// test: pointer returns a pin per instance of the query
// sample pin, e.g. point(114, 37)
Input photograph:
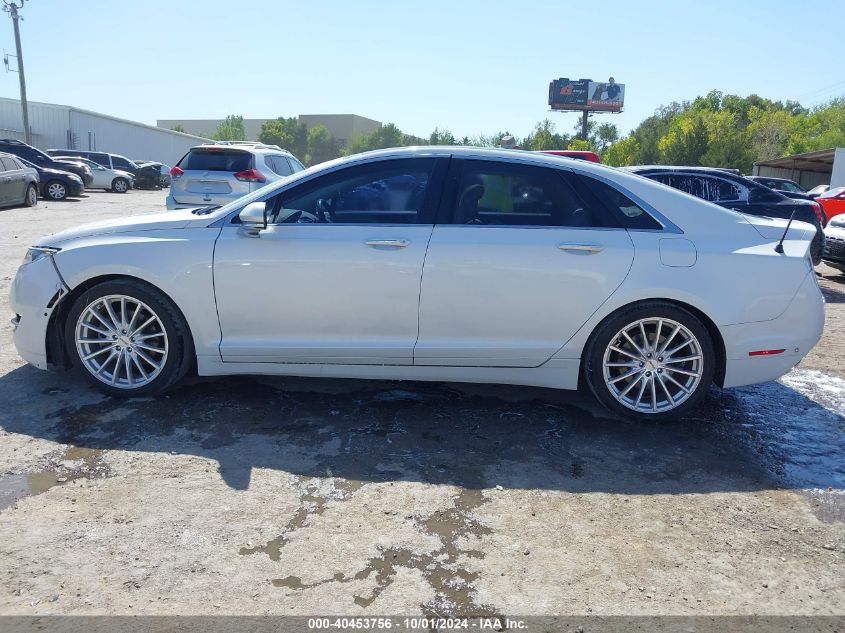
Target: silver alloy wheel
point(121, 341)
point(653, 365)
point(32, 196)
point(57, 191)
point(120, 186)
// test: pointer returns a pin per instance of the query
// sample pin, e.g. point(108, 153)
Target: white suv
point(217, 173)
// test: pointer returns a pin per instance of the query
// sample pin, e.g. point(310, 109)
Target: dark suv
point(40, 159)
point(110, 161)
point(740, 194)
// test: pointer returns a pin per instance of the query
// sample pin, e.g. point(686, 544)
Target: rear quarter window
point(204, 160)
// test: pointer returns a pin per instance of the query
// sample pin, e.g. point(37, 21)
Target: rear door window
point(506, 194)
point(7, 164)
point(215, 160)
point(279, 165)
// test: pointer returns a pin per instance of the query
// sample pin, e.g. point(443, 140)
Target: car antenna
point(779, 247)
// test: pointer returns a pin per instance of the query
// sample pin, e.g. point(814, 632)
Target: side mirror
point(253, 217)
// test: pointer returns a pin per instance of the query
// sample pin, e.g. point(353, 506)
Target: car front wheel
point(120, 185)
point(56, 190)
point(127, 338)
point(651, 362)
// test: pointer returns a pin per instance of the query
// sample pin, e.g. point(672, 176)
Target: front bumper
point(796, 331)
point(34, 295)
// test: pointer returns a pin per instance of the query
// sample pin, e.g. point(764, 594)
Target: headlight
point(37, 252)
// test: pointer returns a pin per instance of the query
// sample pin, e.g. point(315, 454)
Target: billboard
point(586, 94)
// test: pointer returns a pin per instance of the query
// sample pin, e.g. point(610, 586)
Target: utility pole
point(584, 127)
point(11, 8)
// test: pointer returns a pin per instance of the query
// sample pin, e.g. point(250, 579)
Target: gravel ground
point(301, 496)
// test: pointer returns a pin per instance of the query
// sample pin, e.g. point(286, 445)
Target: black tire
point(606, 333)
point(120, 185)
point(180, 352)
point(31, 197)
point(56, 190)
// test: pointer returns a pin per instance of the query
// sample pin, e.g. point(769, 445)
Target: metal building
point(822, 167)
point(55, 126)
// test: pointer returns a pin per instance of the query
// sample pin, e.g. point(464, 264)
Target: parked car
point(164, 171)
point(740, 194)
point(833, 202)
point(818, 190)
point(574, 153)
point(112, 161)
point(39, 158)
point(103, 177)
point(18, 183)
point(56, 184)
point(214, 174)
point(148, 176)
point(834, 243)
point(787, 187)
point(432, 263)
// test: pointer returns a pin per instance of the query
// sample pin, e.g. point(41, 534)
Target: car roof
point(243, 147)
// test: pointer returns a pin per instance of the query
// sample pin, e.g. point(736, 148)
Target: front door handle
point(388, 243)
point(581, 248)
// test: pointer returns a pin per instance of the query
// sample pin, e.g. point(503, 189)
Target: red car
point(573, 153)
point(833, 202)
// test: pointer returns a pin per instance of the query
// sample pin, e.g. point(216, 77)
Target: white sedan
point(433, 263)
point(102, 177)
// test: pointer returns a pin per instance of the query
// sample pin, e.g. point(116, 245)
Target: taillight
point(250, 175)
point(817, 208)
point(175, 172)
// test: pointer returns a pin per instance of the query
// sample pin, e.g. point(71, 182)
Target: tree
point(441, 137)
point(606, 135)
point(288, 133)
point(622, 153)
point(684, 142)
point(178, 128)
point(231, 129)
point(387, 135)
point(579, 144)
point(543, 136)
point(321, 145)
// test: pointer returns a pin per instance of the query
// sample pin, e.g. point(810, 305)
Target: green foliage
point(231, 129)
point(543, 136)
point(387, 135)
point(288, 133)
point(441, 137)
point(321, 146)
point(178, 128)
point(580, 145)
point(730, 131)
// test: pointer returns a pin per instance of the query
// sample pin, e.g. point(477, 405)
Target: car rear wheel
point(31, 198)
point(651, 362)
point(128, 339)
point(56, 190)
point(120, 185)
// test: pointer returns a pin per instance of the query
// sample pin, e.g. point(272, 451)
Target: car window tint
point(631, 215)
point(122, 163)
point(7, 164)
point(279, 165)
point(296, 165)
point(706, 187)
point(103, 159)
point(505, 194)
point(216, 160)
point(17, 164)
point(391, 192)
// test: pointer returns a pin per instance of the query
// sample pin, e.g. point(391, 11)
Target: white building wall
point(64, 127)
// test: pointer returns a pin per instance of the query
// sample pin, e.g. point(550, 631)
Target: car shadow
point(473, 436)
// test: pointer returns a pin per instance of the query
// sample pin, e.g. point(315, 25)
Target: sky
point(469, 66)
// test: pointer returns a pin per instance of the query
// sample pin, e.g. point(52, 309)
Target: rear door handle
point(581, 248)
point(388, 243)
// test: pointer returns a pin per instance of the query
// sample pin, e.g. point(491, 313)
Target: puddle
point(68, 465)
